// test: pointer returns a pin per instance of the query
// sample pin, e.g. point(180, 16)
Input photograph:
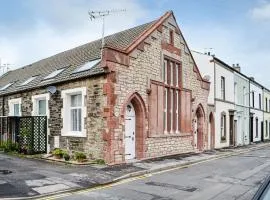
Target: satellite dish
point(51, 89)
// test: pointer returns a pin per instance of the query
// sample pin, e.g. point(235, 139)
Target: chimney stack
point(252, 78)
point(237, 67)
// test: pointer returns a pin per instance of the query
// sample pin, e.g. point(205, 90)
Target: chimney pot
point(237, 67)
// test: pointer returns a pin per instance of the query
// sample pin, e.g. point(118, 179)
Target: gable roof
point(70, 60)
point(124, 41)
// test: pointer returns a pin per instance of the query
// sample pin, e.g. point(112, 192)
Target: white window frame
point(222, 87)
point(36, 98)
point(65, 112)
point(11, 103)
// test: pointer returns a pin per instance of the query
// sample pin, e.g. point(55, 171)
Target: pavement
point(23, 178)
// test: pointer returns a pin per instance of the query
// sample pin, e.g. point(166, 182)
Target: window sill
point(170, 135)
point(223, 141)
point(73, 134)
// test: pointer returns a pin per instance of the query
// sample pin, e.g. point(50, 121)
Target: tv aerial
point(102, 14)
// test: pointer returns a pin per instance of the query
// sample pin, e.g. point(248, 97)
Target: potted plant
point(80, 156)
point(58, 153)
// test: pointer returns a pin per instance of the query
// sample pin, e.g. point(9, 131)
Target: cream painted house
point(256, 111)
point(221, 106)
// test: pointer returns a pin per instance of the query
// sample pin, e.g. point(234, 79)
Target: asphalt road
point(236, 177)
point(31, 177)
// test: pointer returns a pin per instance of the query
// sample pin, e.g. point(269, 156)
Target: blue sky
point(237, 30)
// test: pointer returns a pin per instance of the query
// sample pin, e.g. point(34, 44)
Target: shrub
point(100, 161)
point(80, 156)
point(66, 156)
point(8, 146)
point(58, 153)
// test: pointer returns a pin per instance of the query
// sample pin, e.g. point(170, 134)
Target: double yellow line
point(110, 185)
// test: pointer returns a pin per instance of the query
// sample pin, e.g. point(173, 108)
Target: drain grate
point(178, 187)
point(5, 171)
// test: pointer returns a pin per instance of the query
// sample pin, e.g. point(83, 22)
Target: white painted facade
point(241, 117)
point(224, 105)
point(256, 111)
point(223, 102)
point(207, 69)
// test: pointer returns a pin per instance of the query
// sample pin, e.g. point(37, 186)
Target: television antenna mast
point(102, 14)
point(5, 67)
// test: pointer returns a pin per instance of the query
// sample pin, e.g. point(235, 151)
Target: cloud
point(233, 46)
point(262, 12)
point(60, 25)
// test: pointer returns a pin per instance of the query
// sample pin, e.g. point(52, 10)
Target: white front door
point(129, 132)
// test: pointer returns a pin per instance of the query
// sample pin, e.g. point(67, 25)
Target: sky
point(237, 30)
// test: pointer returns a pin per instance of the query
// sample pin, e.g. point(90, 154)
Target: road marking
point(110, 185)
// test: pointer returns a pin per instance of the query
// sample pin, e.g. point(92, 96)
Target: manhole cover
point(5, 171)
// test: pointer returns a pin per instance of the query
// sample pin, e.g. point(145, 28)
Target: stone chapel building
point(144, 98)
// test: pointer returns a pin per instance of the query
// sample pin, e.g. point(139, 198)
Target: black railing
point(29, 132)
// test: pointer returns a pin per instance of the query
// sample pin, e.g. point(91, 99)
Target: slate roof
point(71, 60)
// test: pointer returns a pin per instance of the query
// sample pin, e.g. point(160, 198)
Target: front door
point(251, 129)
point(235, 131)
point(262, 134)
point(129, 132)
point(231, 131)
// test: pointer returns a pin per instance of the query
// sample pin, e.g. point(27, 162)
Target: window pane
point(76, 119)
point(172, 72)
point(76, 100)
point(165, 109)
point(176, 74)
point(16, 108)
point(42, 107)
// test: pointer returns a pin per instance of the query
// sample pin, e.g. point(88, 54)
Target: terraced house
point(266, 114)
point(256, 111)
point(228, 101)
point(144, 98)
